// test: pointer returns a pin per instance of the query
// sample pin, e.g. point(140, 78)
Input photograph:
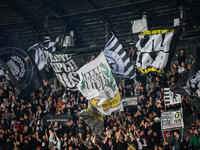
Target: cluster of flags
point(94, 80)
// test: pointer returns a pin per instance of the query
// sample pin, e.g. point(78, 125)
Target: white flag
point(98, 85)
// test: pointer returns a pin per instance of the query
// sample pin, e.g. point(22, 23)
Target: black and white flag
point(190, 82)
point(156, 49)
point(19, 65)
point(50, 45)
point(171, 97)
point(93, 118)
point(39, 56)
point(65, 69)
point(117, 59)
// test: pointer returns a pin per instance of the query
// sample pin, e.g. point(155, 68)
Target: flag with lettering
point(65, 68)
point(19, 65)
point(98, 85)
point(117, 59)
point(92, 117)
point(156, 49)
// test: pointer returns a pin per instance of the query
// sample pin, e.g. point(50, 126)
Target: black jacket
point(8, 146)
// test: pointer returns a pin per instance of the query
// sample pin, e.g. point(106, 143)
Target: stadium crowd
point(23, 127)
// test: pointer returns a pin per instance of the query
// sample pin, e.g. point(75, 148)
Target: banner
point(40, 58)
point(171, 97)
point(171, 119)
point(156, 49)
point(92, 117)
point(190, 82)
point(117, 59)
point(65, 69)
point(62, 119)
point(19, 65)
point(98, 85)
point(130, 101)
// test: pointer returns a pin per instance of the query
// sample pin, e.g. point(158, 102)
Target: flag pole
point(163, 135)
point(155, 102)
point(183, 120)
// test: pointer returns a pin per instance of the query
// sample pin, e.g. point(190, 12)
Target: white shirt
point(139, 144)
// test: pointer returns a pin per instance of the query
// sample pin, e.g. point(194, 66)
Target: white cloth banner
point(171, 119)
point(171, 98)
point(98, 85)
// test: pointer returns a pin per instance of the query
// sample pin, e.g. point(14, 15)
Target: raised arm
point(39, 140)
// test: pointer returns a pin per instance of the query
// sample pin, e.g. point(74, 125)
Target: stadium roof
point(93, 21)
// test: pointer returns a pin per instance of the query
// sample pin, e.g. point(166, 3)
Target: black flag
point(156, 49)
point(93, 118)
point(190, 82)
point(64, 67)
point(19, 65)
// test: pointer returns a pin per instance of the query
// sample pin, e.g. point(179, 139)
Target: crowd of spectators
point(23, 127)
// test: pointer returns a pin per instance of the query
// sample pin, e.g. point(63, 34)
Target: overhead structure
point(92, 22)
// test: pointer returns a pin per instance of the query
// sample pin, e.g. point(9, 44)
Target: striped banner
point(171, 97)
point(117, 59)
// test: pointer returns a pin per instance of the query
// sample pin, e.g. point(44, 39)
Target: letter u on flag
point(19, 65)
point(98, 85)
point(117, 59)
